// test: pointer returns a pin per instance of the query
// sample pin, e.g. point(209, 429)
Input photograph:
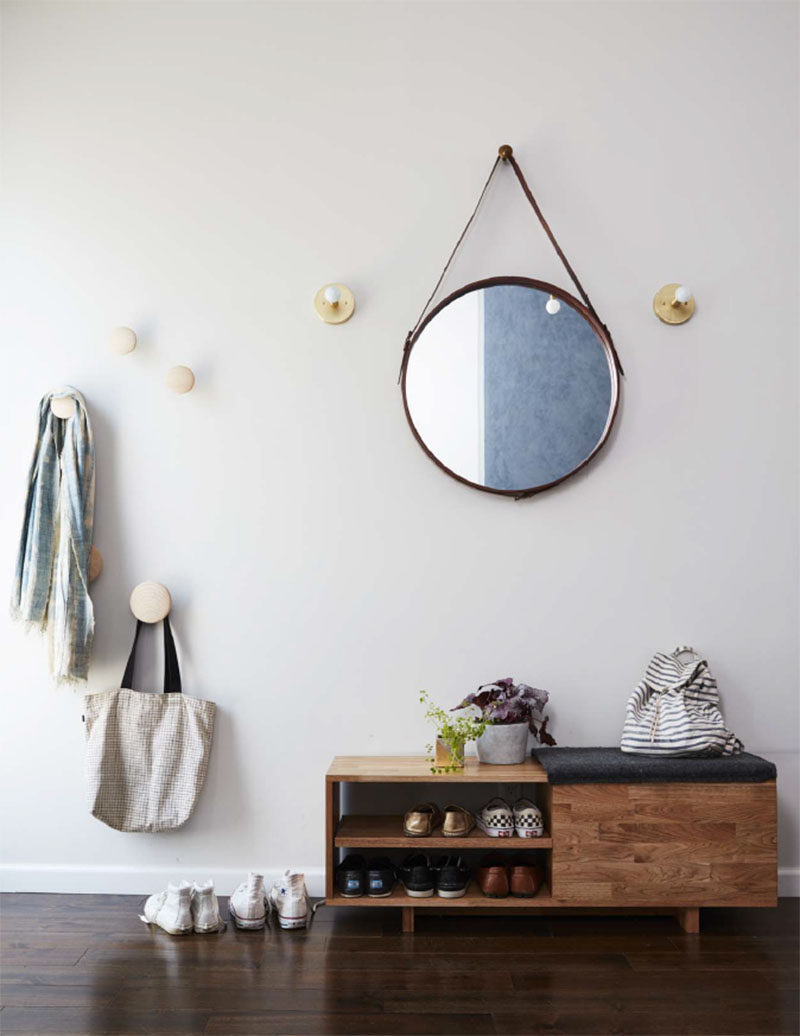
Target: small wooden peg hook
point(95, 563)
point(505, 151)
point(151, 602)
point(62, 406)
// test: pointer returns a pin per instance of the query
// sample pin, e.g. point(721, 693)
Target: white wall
point(196, 171)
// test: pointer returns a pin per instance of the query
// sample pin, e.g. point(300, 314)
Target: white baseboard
point(789, 881)
point(141, 881)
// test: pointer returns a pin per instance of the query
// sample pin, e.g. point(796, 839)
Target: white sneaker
point(528, 822)
point(289, 898)
point(171, 909)
point(205, 909)
point(249, 907)
point(496, 819)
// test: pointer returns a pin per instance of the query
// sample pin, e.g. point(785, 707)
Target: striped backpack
point(674, 711)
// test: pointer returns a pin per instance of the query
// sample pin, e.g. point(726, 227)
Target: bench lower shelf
point(473, 898)
point(542, 902)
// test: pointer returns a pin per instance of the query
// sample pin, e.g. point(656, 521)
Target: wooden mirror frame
point(562, 296)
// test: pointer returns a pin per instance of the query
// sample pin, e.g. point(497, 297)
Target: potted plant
point(508, 711)
point(452, 734)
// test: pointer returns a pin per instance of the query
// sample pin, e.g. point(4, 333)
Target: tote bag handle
point(172, 674)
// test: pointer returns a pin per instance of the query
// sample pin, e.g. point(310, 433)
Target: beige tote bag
point(147, 754)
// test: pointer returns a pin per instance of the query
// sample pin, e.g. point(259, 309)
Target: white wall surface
point(197, 171)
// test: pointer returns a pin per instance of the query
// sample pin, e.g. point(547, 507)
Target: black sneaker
point(416, 876)
point(351, 878)
point(380, 877)
point(452, 877)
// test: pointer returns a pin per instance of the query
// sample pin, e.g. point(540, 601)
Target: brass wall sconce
point(334, 303)
point(674, 304)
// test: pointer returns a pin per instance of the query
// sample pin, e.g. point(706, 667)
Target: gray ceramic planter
point(503, 744)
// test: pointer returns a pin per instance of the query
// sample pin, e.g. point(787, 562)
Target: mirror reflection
point(508, 388)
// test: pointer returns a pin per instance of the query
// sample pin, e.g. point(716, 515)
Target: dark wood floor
point(86, 964)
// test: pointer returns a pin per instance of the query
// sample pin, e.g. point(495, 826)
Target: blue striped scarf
point(51, 588)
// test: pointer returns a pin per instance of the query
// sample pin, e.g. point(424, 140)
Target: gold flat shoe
point(422, 820)
point(458, 822)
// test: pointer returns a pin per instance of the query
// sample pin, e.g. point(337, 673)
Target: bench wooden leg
point(689, 919)
point(408, 920)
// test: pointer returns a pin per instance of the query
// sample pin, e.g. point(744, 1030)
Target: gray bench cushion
point(612, 766)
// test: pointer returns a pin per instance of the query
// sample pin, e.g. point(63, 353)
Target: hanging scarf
point(51, 588)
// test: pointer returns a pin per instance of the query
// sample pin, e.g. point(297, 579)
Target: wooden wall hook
point(62, 406)
point(150, 602)
point(95, 563)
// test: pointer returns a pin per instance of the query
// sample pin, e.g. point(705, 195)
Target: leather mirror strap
point(552, 238)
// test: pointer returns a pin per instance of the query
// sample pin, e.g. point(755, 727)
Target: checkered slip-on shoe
point(496, 819)
point(528, 822)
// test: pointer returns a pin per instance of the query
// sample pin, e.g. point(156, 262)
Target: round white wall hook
point(151, 602)
point(552, 305)
point(334, 303)
point(63, 406)
point(123, 340)
point(180, 379)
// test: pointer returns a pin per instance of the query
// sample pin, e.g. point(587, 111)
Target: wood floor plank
point(299, 1024)
point(79, 1021)
point(87, 965)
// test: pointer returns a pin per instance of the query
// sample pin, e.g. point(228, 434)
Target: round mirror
point(510, 385)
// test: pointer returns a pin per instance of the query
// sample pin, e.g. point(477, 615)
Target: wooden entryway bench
point(644, 842)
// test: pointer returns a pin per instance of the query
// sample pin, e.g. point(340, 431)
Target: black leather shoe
point(452, 877)
point(380, 877)
point(416, 876)
point(351, 878)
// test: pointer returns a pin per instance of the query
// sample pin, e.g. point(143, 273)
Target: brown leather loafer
point(525, 880)
point(458, 822)
point(493, 881)
point(422, 820)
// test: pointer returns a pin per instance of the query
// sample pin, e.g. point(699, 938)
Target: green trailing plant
point(454, 731)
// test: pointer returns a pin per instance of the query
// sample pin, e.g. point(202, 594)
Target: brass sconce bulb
point(334, 303)
point(674, 304)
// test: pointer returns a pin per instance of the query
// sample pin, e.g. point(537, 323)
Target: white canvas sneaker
point(289, 899)
point(249, 907)
point(171, 909)
point(205, 909)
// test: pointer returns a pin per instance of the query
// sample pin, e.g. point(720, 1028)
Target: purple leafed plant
point(506, 702)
